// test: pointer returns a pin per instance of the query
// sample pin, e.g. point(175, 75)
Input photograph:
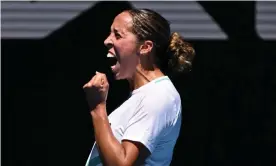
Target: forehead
point(122, 22)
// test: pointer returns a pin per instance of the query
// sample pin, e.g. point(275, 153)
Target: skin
point(135, 63)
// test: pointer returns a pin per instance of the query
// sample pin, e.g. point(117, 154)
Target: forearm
point(112, 152)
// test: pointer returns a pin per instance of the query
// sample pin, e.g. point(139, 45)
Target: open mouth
point(113, 62)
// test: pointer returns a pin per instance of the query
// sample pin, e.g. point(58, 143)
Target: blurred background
point(51, 49)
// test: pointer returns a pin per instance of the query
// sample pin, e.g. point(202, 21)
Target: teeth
point(110, 55)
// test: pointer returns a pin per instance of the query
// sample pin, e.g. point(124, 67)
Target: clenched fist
point(96, 90)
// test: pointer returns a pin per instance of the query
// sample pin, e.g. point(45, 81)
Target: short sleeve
point(148, 123)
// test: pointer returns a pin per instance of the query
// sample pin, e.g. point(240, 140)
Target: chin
point(118, 76)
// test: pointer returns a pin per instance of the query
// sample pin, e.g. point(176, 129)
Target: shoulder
point(163, 93)
point(161, 98)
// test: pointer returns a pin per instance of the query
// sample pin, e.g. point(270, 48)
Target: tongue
point(116, 67)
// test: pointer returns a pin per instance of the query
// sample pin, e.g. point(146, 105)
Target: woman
point(145, 128)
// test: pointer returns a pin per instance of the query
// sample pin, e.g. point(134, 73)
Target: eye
point(117, 35)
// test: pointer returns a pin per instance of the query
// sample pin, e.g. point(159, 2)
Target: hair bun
point(180, 54)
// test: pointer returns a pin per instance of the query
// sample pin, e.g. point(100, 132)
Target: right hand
point(96, 90)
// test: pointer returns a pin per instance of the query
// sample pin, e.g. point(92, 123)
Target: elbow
point(123, 164)
point(123, 161)
point(119, 160)
point(120, 163)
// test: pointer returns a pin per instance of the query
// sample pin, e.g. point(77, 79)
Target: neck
point(142, 77)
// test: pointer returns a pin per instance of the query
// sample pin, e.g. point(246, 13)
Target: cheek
point(127, 52)
point(128, 49)
point(129, 61)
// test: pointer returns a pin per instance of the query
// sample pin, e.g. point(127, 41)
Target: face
point(122, 44)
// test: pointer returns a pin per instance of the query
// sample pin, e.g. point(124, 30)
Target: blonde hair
point(181, 54)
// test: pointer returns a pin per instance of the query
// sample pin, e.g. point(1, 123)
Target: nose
point(108, 42)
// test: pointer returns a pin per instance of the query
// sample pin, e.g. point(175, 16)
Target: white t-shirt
point(151, 116)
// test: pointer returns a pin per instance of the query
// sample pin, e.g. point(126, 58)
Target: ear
point(146, 47)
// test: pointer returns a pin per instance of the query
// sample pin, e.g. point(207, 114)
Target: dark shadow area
point(46, 114)
point(228, 99)
point(24, 111)
point(75, 52)
point(237, 19)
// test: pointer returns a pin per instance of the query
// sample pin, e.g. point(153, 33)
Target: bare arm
point(113, 152)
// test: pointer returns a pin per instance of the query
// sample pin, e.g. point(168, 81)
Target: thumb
point(97, 72)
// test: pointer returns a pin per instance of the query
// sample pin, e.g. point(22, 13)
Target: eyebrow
point(117, 31)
